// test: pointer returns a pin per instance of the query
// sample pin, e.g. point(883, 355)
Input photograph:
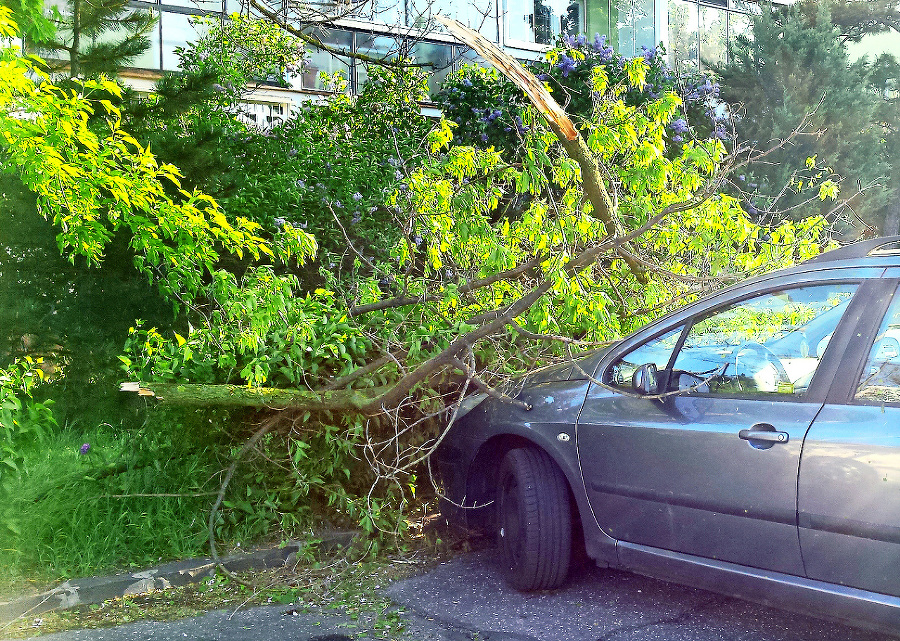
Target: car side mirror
point(645, 379)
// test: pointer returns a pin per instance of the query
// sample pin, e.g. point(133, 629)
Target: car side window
point(880, 380)
point(772, 343)
point(656, 351)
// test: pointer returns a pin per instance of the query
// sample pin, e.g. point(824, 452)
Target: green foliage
point(488, 109)
point(241, 52)
point(24, 422)
point(99, 498)
point(29, 14)
point(71, 315)
point(325, 169)
point(262, 332)
point(92, 185)
point(845, 103)
point(88, 39)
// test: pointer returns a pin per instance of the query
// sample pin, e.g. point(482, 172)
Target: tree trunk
point(268, 397)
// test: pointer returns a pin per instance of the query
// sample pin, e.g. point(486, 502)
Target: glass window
point(684, 30)
point(207, 5)
point(739, 24)
point(150, 58)
point(321, 62)
point(771, 343)
point(480, 15)
point(540, 21)
point(437, 54)
point(634, 26)
point(383, 11)
point(657, 351)
point(177, 31)
point(880, 379)
point(470, 57)
point(713, 36)
point(378, 47)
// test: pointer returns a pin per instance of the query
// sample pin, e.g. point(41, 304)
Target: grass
point(130, 501)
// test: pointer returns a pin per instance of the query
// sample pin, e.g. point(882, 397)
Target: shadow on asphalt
point(467, 595)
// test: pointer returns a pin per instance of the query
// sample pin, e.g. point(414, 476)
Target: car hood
point(581, 368)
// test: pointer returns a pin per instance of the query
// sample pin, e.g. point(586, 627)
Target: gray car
point(748, 444)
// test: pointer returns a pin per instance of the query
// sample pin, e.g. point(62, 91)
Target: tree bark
point(269, 397)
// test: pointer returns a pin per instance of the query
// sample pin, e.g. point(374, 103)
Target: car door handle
point(766, 436)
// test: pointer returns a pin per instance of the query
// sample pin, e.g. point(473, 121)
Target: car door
point(708, 465)
point(849, 485)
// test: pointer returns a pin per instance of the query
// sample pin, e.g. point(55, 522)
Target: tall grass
point(126, 502)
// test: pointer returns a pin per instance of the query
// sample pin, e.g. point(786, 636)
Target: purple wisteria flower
point(600, 46)
point(566, 65)
point(85, 448)
point(520, 127)
point(679, 126)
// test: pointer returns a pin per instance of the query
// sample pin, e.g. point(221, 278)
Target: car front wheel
point(534, 526)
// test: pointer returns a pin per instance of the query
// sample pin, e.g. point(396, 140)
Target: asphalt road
point(464, 600)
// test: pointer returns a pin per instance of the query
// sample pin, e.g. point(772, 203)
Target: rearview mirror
point(645, 379)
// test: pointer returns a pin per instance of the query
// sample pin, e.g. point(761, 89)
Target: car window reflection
point(770, 344)
point(880, 380)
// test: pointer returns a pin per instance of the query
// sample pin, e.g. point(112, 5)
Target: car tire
point(534, 520)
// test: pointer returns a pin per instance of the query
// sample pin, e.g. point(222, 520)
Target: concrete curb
point(98, 589)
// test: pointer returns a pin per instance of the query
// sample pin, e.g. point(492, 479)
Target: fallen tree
point(602, 224)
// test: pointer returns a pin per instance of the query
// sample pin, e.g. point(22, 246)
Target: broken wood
point(600, 196)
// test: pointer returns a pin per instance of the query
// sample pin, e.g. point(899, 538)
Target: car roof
point(886, 250)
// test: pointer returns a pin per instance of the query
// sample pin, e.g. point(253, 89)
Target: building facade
point(694, 33)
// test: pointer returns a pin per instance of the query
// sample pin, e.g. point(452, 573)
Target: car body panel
point(849, 498)
point(674, 474)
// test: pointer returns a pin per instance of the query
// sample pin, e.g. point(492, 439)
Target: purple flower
point(566, 65)
point(356, 218)
point(648, 54)
point(279, 222)
point(357, 196)
point(520, 127)
point(600, 46)
point(467, 82)
point(679, 126)
point(484, 138)
point(543, 76)
point(84, 448)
